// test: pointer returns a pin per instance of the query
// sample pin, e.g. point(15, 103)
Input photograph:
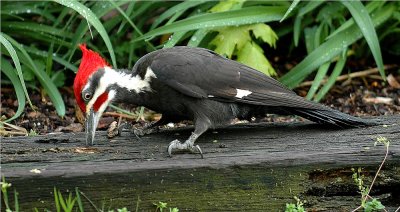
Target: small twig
point(120, 115)
point(376, 175)
point(398, 209)
point(90, 201)
point(352, 75)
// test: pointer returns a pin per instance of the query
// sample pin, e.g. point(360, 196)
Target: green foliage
point(238, 41)
point(40, 38)
point(331, 34)
point(161, 206)
point(4, 190)
point(298, 207)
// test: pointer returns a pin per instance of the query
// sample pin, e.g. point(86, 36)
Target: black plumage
point(200, 85)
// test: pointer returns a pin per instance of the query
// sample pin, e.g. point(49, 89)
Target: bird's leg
point(200, 127)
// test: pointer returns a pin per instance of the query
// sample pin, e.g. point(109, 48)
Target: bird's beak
point(92, 120)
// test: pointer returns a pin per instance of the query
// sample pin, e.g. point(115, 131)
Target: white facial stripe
point(122, 80)
point(110, 97)
point(242, 93)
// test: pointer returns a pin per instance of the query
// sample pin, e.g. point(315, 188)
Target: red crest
point(91, 62)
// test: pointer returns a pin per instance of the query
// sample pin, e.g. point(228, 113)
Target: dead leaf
point(113, 131)
point(378, 100)
point(393, 82)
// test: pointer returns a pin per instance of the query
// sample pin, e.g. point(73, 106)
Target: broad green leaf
point(5, 40)
point(93, 20)
point(8, 70)
point(248, 15)
point(252, 55)
point(264, 32)
point(323, 69)
point(363, 20)
point(230, 38)
point(331, 48)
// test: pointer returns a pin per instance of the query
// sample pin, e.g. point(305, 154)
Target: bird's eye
point(87, 96)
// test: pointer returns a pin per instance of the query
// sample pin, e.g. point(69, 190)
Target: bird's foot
point(176, 145)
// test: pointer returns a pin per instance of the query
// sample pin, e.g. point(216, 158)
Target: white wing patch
point(242, 93)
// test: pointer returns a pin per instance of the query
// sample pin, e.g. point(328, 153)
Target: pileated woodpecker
point(185, 83)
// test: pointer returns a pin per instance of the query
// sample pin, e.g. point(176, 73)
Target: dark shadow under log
point(249, 167)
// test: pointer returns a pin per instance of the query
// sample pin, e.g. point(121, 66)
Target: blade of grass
point(291, 8)
point(5, 40)
point(321, 73)
point(310, 6)
point(49, 60)
point(337, 70)
point(56, 200)
point(371, 6)
point(45, 80)
point(247, 15)
point(16, 203)
point(129, 11)
point(173, 10)
point(174, 39)
point(56, 58)
point(331, 48)
point(79, 200)
point(131, 23)
point(8, 70)
point(197, 37)
point(363, 20)
point(94, 21)
point(34, 27)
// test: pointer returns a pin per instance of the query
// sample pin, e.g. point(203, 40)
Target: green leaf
point(248, 15)
point(5, 40)
point(291, 8)
point(181, 7)
point(332, 79)
point(93, 20)
point(58, 78)
point(363, 20)
point(223, 6)
point(252, 55)
point(264, 32)
point(230, 38)
point(331, 48)
point(45, 80)
point(197, 37)
point(8, 70)
point(323, 69)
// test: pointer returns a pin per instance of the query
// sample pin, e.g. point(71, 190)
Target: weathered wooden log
point(248, 167)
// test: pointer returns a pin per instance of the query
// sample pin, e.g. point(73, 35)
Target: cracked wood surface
point(251, 167)
point(275, 144)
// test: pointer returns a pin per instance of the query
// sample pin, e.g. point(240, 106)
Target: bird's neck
point(130, 87)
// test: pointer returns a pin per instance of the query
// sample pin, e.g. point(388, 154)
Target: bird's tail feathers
point(332, 117)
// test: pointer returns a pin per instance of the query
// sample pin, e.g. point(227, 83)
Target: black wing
point(201, 73)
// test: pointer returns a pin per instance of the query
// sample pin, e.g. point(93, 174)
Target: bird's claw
point(177, 145)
